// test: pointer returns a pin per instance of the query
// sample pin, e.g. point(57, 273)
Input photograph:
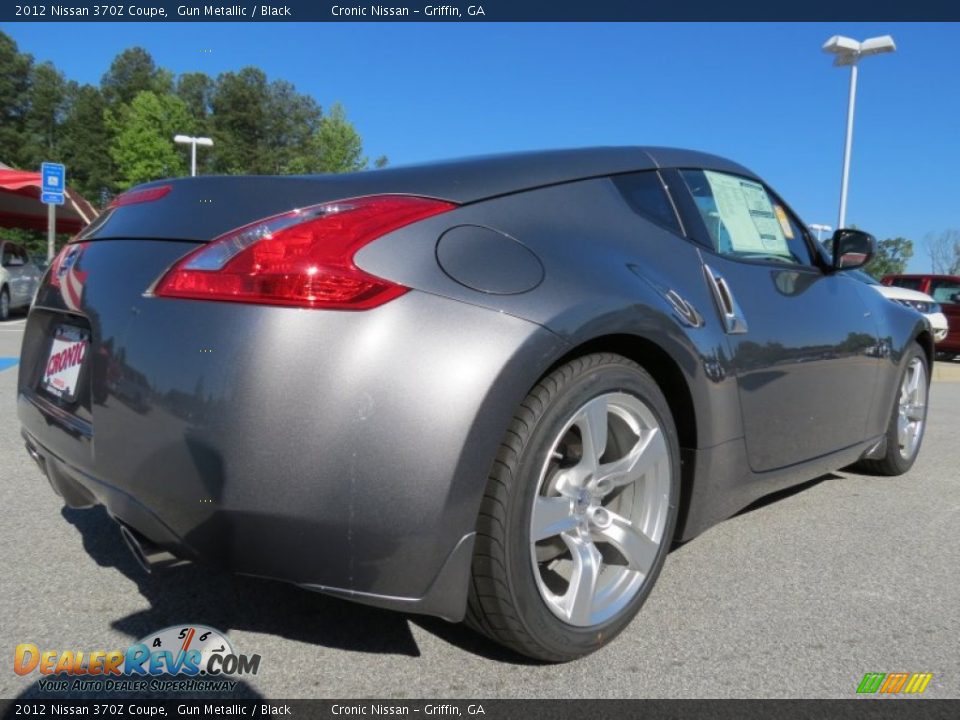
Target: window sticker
point(748, 215)
point(784, 221)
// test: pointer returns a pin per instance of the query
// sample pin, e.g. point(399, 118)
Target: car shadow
point(780, 495)
point(203, 595)
point(765, 501)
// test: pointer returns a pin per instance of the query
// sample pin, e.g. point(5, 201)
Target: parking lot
point(797, 597)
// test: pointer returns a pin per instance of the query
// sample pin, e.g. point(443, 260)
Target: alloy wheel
point(912, 411)
point(601, 508)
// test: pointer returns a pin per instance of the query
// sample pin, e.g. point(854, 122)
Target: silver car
point(19, 278)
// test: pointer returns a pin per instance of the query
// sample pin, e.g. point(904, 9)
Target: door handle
point(730, 313)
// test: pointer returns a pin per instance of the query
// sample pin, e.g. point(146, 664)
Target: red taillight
point(133, 197)
point(302, 258)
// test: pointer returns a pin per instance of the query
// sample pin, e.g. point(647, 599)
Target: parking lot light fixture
point(193, 142)
point(848, 52)
point(819, 230)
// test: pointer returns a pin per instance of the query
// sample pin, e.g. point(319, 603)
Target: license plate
point(62, 373)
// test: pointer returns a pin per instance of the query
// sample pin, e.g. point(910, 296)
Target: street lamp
point(193, 142)
point(819, 230)
point(849, 52)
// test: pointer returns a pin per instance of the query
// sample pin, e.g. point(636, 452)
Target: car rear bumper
point(345, 452)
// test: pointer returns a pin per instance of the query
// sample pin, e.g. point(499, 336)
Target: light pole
point(819, 230)
point(193, 142)
point(849, 52)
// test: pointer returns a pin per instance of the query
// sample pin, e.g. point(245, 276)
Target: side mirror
point(852, 249)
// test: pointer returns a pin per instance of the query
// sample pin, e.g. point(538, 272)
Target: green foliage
point(85, 143)
point(892, 257)
point(121, 133)
point(46, 109)
point(239, 123)
point(338, 145)
point(131, 72)
point(15, 70)
point(142, 131)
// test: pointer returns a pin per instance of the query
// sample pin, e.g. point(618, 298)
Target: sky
point(765, 95)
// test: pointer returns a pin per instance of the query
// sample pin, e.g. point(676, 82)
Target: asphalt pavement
point(797, 597)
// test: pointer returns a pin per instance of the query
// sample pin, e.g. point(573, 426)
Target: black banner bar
point(853, 709)
point(479, 11)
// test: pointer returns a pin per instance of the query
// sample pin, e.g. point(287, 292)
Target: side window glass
point(647, 196)
point(744, 220)
point(945, 292)
point(7, 253)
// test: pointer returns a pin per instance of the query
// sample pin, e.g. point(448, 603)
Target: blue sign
point(54, 177)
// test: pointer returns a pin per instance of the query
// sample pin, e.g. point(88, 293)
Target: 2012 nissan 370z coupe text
point(494, 389)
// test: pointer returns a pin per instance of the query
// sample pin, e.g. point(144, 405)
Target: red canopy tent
point(20, 205)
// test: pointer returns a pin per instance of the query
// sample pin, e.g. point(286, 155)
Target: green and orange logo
point(894, 683)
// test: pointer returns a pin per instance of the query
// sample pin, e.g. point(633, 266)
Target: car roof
point(239, 199)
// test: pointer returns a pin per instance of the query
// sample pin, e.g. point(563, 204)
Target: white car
point(19, 278)
point(911, 298)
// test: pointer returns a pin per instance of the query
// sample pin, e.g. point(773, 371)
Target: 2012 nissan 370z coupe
point(494, 389)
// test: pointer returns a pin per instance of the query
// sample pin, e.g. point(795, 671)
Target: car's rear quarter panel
point(332, 448)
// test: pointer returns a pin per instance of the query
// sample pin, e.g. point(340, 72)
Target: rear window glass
point(945, 292)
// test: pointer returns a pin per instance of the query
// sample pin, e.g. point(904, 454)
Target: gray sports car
point(494, 389)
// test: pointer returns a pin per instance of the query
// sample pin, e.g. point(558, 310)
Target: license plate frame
point(65, 362)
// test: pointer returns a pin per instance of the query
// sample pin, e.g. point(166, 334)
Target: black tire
point(504, 602)
point(894, 462)
point(4, 304)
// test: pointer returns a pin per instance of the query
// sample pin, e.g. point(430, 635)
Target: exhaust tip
point(135, 549)
point(148, 554)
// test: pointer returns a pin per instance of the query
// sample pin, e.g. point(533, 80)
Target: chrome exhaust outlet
point(149, 555)
point(32, 452)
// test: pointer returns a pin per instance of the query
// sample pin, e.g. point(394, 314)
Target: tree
point(14, 85)
point(944, 251)
point(196, 91)
point(120, 133)
point(293, 120)
point(338, 145)
point(891, 257)
point(143, 147)
point(240, 121)
point(47, 107)
point(85, 145)
point(131, 72)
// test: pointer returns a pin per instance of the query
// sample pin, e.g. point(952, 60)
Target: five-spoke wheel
point(579, 510)
point(901, 444)
point(601, 509)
